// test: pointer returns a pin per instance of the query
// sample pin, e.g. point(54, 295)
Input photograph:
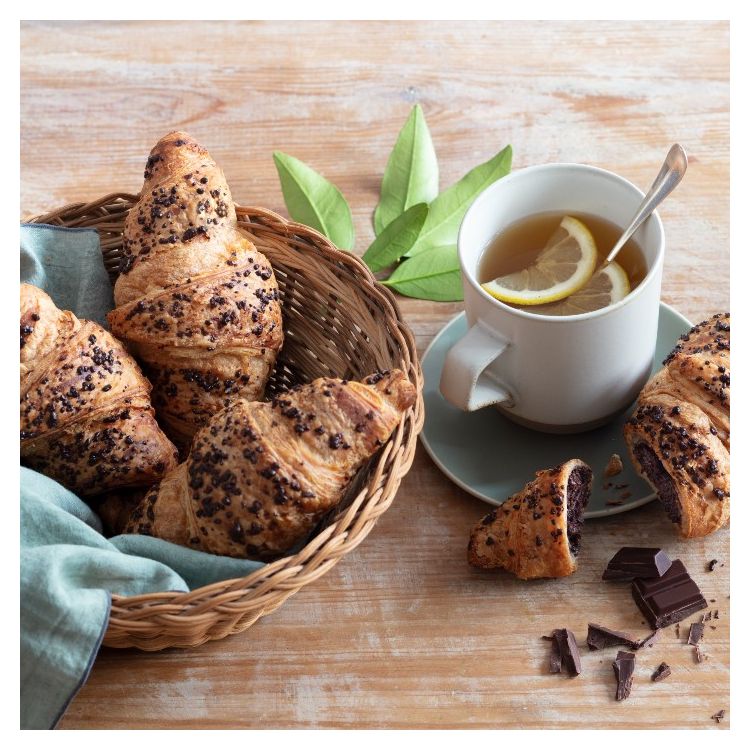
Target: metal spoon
point(672, 171)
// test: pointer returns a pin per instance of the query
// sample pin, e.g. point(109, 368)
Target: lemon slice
point(607, 286)
point(561, 269)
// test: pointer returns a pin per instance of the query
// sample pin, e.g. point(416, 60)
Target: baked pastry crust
point(536, 532)
point(679, 436)
point(197, 303)
point(86, 417)
point(260, 476)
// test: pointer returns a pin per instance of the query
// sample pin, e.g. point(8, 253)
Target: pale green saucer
point(492, 458)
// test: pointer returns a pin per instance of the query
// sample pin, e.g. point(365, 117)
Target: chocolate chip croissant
point(536, 533)
point(260, 476)
point(86, 418)
point(678, 436)
point(197, 303)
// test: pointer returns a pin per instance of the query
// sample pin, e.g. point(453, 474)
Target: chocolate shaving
point(718, 716)
point(600, 637)
point(555, 658)
point(662, 672)
point(564, 653)
point(699, 655)
point(696, 633)
point(649, 640)
point(624, 667)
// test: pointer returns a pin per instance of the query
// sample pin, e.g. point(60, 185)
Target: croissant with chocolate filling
point(536, 533)
point(197, 303)
point(86, 418)
point(259, 476)
point(678, 436)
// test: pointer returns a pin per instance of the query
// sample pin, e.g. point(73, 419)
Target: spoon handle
point(670, 174)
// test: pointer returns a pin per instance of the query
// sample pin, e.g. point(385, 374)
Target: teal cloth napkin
point(68, 569)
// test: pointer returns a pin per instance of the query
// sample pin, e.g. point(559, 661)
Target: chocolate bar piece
point(564, 653)
point(637, 562)
point(695, 634)
point(624, 666)
point(662, 672)
point(668, 599)
point(600, 637)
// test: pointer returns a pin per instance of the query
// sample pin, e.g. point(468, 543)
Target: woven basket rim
point(133, 614)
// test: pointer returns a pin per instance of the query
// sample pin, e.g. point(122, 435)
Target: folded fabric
point(67, 264)
point(68, 569)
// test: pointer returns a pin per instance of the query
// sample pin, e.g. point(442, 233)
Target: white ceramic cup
point(556, 374)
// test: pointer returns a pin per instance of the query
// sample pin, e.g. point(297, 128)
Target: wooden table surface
point(402, 633)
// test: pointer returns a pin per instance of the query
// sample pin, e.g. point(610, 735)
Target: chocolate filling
point(578, 498)
point(659, 477)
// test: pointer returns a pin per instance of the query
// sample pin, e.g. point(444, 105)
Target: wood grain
point(402, 633)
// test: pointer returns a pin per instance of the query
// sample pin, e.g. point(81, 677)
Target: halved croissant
point(536, 533)
point(197, 303)
point(678, 436)
point(260, 476)
point(86, 418)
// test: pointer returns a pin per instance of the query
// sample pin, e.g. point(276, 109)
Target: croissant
point(86, 418)
point(536, 533)
point(260, 476)
point(678, 436)
point(197, 303)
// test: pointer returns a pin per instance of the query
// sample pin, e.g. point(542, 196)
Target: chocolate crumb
point(711, 565)
point(718, 716)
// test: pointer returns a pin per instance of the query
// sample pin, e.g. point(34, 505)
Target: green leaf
point(411, 175)
point(434, 275)
point(312, 200)
point(396, 239)
point(448, 209)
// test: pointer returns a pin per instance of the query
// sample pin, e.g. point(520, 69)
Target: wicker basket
point(338, 322)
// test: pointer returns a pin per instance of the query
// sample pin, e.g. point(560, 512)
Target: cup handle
point(463, 381)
